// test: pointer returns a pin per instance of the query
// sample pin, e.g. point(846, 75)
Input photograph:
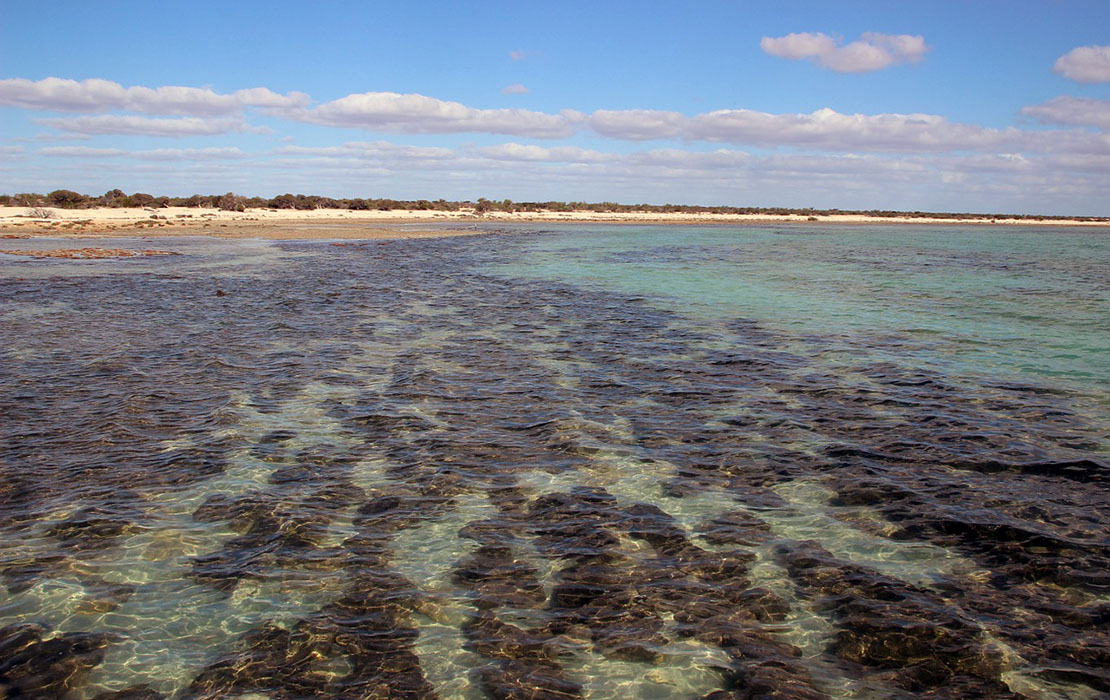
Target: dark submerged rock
point(516, 680)
point(32, 666)
point(498, 579)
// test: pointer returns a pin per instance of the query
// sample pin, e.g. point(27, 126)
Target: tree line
point(68, 199)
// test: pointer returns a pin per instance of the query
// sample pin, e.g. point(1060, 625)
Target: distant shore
point(20, 222)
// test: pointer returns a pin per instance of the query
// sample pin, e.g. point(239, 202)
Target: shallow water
point(598, 462)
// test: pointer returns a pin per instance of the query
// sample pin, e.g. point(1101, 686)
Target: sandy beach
point(18, 222)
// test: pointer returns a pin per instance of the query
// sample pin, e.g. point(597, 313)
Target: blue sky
point(960, 106)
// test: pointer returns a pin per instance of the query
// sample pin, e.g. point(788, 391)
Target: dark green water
point(602, 462)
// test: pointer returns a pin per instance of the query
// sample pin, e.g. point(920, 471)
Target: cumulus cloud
point(844, 151)
point(96, 95)
point(1072, 111)
point(871, 52)
point(514, 89)
point(1085, 64)
point(829, 129)
point(146, 126)
point(824, 129)
point(418, 114)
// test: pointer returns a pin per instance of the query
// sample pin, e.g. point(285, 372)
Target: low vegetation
point(68, 199)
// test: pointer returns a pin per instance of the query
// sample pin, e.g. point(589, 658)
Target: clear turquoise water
point(1009, 301)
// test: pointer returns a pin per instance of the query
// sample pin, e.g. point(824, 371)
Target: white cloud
point(370, 150)
point(841, 152)
point(158, 154)
point(514, 89)
point(81, 152)
point(1086, 64)
point(677, 159)
point(508, 155)
point(871, 52)
point(827, 129)
point(1073, 111)
point(199, 154)
point(530, 153)
point(518, 54)
point(1064, 183)
point(418, 114)
point(146, 126)
point(97, 95)
point(638, 124)
point(50, 137)
point(824, 129)
point(1079, 163)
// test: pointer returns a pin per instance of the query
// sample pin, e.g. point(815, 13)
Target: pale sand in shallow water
point(338, 223)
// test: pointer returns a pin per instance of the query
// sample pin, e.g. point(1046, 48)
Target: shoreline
point(289, 224)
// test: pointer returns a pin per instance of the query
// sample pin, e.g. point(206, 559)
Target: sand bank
point(337, 223)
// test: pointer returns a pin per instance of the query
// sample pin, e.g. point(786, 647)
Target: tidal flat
point(560, 461)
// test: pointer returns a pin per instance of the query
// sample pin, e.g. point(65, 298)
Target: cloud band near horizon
point(535, 170)
point(387, 112)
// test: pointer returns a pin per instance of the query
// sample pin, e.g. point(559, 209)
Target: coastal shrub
point(283, 201)
point(66, 198)
point(27, 199)
point(41, 213)
point(194, 200)
point(113, 198)
point(231, 202)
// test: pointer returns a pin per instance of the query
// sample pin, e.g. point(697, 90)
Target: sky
point(992, 106)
